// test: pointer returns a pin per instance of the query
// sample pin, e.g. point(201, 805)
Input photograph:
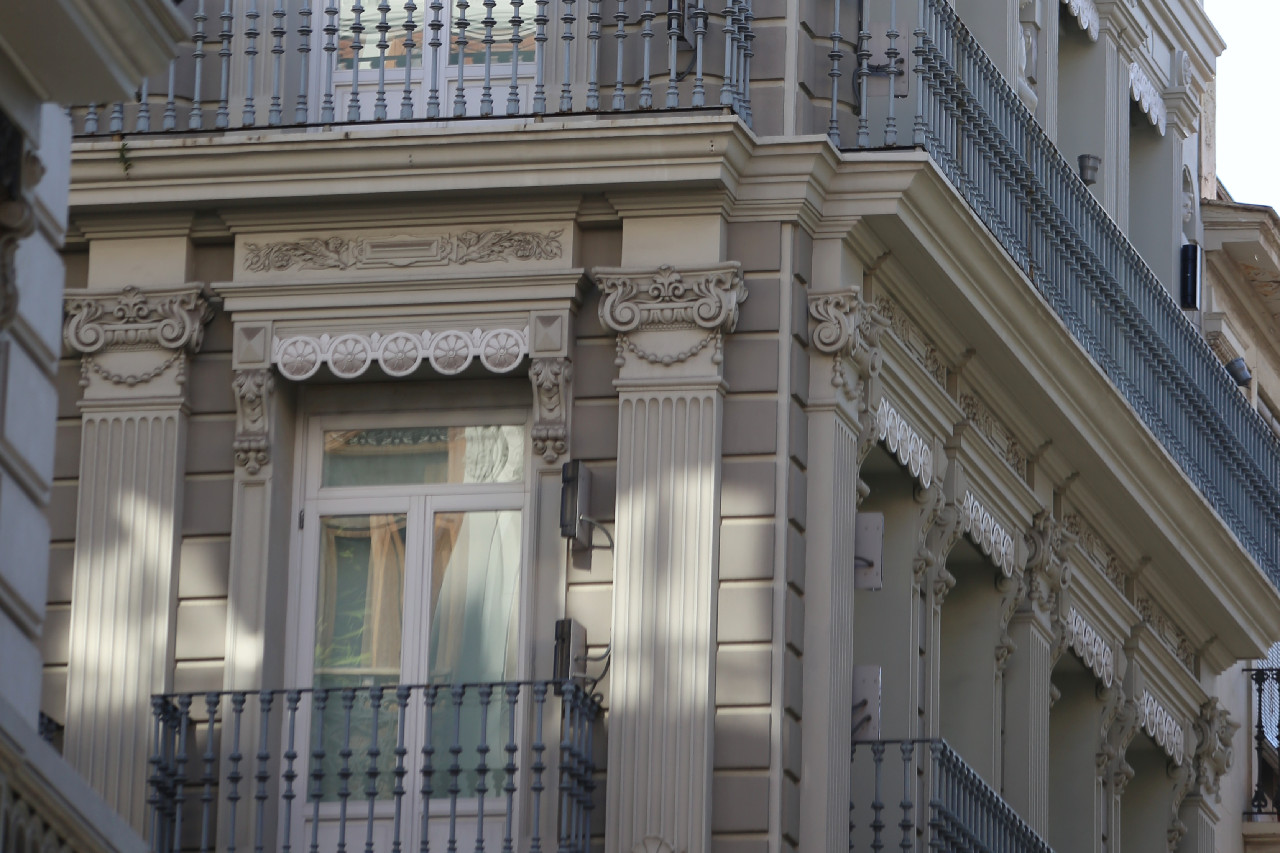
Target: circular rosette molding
point(501, 350)
point(400, 353)
point(349, 356)
point(299, 358)
point(450, 352)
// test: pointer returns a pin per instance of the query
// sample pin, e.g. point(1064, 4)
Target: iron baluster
point(292, 699)
point(195, 116)
point(485, 693)
point(301, 105)
point(264, 773)
point(455, 766)
point(835, 55)
point(142, 122)
point(728, 96)
point(249, 115)
point(877, 801)
point(540, 22)
point(513, 91)
point(383, 26)
point(675, 29)
point(436, 25)
point(460, 42)
point(234, 777)
point(223, 117)
point(275, 112)
point(567, 18)
point(646, 52)
point(620, 37)
point(512, 692)
point(539, 747)
point(371, 774)
point(327, 106)
point(486, 91)
point(91, 119)
point(357, 30)
point(319, 699)
point(180, 769)
point(344, 772)
point(406, 99)
point(428, 751)
point(210, 757)
point(593, 55)
point(402, 707)
point(699, 98)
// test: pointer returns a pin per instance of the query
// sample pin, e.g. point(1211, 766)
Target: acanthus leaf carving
point(940, 529)
point(1214, 754)
point(253, 390)
point(1000, 437)
point(1184, 780)
point(667, 299)
point(1118, 731)
point(913, 339)
point(1096, 550)
point(551, 378)
point(135, 320)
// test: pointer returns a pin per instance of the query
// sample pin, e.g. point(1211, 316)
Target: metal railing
point(944, 804)
point(993, 151)
point(259, 63)
point(389, 767)
point(1265, 802)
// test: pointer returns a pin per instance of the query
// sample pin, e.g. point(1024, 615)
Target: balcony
point(920, 795)
point(509, 765)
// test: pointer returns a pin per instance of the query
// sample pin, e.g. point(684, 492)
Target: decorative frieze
point(400, 353)
point(913, 340)
point(1164, 729)
point(904, 442)
point(847, 328)
point(1096, 550)
point(1170, 634)
point(704, 301)
point(551, 378)
point(252, 442)
point(401, 252)
point(988, 534)
point(1147, 97)
point(1000, 437)
point(1091, 647)
point(1086, 14)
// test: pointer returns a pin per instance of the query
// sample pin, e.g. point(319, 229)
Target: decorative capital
point(847, 328)
point(671, 300)
point(253, 390)
point(551, 378)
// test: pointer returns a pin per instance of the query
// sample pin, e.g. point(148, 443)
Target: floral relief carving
point(1173, 637)
point(1214, 753)
point(988, 534)
point(915, 341)
point(253, 391)
point(903, 442)
point(848, 329)
point(667, 299)
point(550, 378)
point(135, 320)
point(497, 245)
point(1000, 437)
point(400, 353)
point(1096, 550)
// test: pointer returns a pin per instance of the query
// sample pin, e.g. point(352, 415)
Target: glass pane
point(358, 621)
point(502, 49)
point(474, 579)
point(370, 18)
point(404, 456)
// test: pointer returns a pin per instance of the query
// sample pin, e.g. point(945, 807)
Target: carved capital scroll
point(253, 395)
point(551, 378)
point(848, 329)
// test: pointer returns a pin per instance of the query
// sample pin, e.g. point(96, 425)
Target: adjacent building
point(723, 427)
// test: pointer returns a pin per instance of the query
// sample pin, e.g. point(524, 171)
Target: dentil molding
point(135, 320)
point(400, 353)
point(399, 252)
point(667, 299)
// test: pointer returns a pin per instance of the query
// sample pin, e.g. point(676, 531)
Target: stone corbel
point(20, 171)
point(848, 329)
point(1048, 575)
point(1214, 754)
point(551, 378)
point(1184, 779)
point(252, 443)
point(940, 529)
point(109, 330)
point(691, 308)
point(1118, 728)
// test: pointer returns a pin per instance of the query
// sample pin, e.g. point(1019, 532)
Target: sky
point(1248, 108)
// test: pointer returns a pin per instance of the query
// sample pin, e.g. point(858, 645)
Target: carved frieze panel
point(1096, 550)
point(404, 251)
point(913, 339)
point(1091, 647)
point(1163, 727)
point(132, 321)
point(905, 443)
point(993, 430)
point(400, 353)
point(1167, 630)
point(989, 535)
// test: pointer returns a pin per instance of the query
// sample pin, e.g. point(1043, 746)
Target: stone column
point(670, 325)
point(134, 348)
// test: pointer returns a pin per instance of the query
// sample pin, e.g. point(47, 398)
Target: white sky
point(1248, 106)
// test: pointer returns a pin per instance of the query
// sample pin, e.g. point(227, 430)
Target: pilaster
point(134, 347)
point(670, 325)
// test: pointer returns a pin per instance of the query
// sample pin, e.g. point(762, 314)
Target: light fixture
point(1089, 165)
point(1239, 371)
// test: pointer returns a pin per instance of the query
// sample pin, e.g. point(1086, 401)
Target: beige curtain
point(382, 616)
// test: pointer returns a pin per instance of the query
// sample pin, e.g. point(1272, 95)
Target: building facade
point(838, 368)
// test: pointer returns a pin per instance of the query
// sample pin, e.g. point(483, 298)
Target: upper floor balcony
point(876, 75)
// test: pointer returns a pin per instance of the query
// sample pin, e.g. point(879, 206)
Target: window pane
point(502, 49)
point(370, 18)
point(358, 621)
point(404, 456)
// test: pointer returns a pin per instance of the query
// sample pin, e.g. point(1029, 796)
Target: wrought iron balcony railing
point(944, 803)
point(1265, 803)
point(500, 766)
point(277, 63)
point(990, 147)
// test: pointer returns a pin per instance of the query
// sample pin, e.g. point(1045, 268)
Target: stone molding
point(400, 252)
point(1168, 631)
point(989, 535)
point(1163, 727)
point(910, 335)
point(848, 328)
point(1096, 550)
point(995, 433)
point(1086, 14)
point(253, 390)
point(134, 320)
point(552, 379)
point(667, 299)
point(1144, 93)
point(400, 353)
point(1091, 647)
point(904, 443)
point(20, 171)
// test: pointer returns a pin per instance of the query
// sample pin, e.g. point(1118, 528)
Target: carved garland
point(342, 253)
point(1163, 728)
point(667, 299)
point(988, 534)
point(904, 442)
point(1090, 646)
point(1086, 14)
point(134, 320)
point(1148, 98)
point(400, 353)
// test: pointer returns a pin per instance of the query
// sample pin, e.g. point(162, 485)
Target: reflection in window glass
point(501, 12)
point(404, 456)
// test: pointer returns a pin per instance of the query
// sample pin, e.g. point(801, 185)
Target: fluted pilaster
point(662, 708)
